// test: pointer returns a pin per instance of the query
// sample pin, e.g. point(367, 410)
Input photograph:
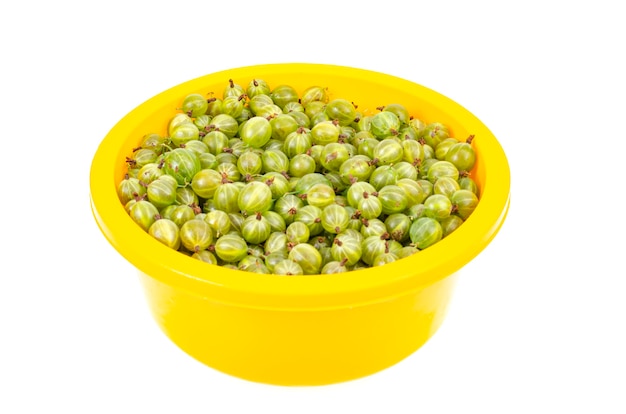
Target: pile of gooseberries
point(279, 182)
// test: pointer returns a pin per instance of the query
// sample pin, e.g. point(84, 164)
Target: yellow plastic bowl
point(300, 330)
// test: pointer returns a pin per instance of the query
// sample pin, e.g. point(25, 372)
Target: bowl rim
point(299, 292)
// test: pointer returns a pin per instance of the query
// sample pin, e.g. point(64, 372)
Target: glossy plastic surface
point(301, 330)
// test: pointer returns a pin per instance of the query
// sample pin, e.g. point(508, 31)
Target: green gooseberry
point(186, 195)
point(333, 155)
point(468, 183)
point(314, 93)
point(357, 191)
point(325, 132)
point(425, 231)
point(276, 242)
point(399, 110)
point(254, 197)
point(373, 246)
point(444, 146)
point(256, 132)
point(382, 176)
point(437, 206)
point(346, 249)
point(142, 156)
point(393, 198)
point(297, 142)
point(249, 164)
point(311, 216)
point(341, 110)
point(442, 169)
point(370, 206)
point(195, 105)
point(181, 214)
point(283, 125)
point(384, 124)
point(144, 213)
point(373, 227)
point(434, 133)
point(176, 120)
point(450, 224)
point(287, 207)
point(184, 133)
point(462, 155)
point(226, 197)
point(297, 232)
point(182, 164)
point(257, 102)
point(301, 164)
point(215, 141)
point(233, 105)
point(205, 182)
point(357, 168)
point(257, 87)
point(277, 223)
point(196, 235)
point(233, 89)
point(255, 229)
point(388, 151)
point(231, 248)
point(309, 258)
point(274, 160)
point(161, 192)
point(219, 221)
point(320, 195)
point(283, 94)
point(398, 226)
point(288, 267)
point(314, 108)
point(225, 123)
point(464, 203)
point(333, 267)
point(205, 256)
point(272, 259)
point(301, 118)
point(167, 232)
point(335, 218)
point(130, 188)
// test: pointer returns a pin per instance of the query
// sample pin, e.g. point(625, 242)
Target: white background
point(537, 323)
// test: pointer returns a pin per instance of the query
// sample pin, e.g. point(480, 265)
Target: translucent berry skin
point(167, 232)
point(437, 206)
point(308, 257)
point(182, 164)
point(129, 188)
point(462, 155)
point(144, 213)
point(288, 267)
point(384, 124)
point(388, 151)
point(205, 182)
point(254, 197)
point(231, 248)
point(320, 195)
point(255, 229)
point(341, 110)
point(464, 202)
point(256, 132)
point(425, 231)
point(196, 235)
point(442, 169)
point(393, 199)
point(346, 248)
point(335, 218)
